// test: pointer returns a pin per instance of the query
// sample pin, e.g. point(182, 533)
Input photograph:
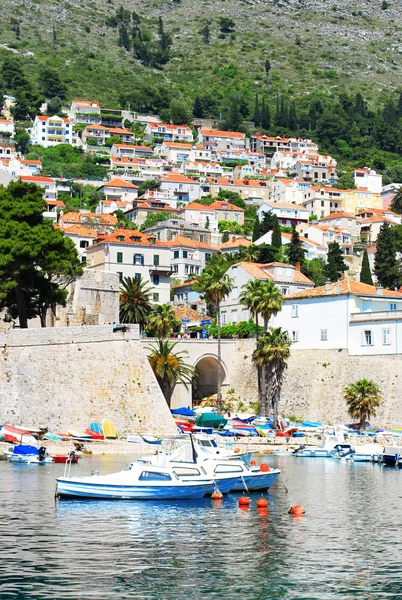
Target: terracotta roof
point(183, 312)
point(119, 183)
point(58, 203)
point(40, 118)
point(218, 133)
point(238, 182)
point(169, 126)
point(179, 178)
point(7, 121)
point(286, 205)
point(187, 283)
point(342, 288)
point(29, 162)
point(299, 277)
point(234, 243)
point(77, 217)
point(87, 103)
point(222, 205)
point(134, 147)
point(338, 215)
point(195, 206)
point(255, 270)
point(80, 230)
point(377, 219)
point(130, 237)
point(184, 241)
point(34, 178)
point(178, 145)
point(371, 249)
point(118, 203)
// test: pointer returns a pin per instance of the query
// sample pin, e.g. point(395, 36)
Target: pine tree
point(336, 265)
point(256, 229)
point(205, 35)
point(292, 122)
point(276, 241)
point(400, 105)
point(257, 112)
point(365, 273)
point(267, 222)
point(386, 265)
point(124, 39)
point(198, 110)
point(267, 67)
point(295, 250)
point(265, 115)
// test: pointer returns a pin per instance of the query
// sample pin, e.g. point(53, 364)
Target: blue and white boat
point(332, 443)
point(25, 453)
point(136, 482)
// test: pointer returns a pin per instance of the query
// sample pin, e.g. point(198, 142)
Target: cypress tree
point(386, 265)
point(276, 241)
point(267, 222)
point(292, 122)
point(256, 229)
point(265, 115)
point(257, 112)
point(277, 111)
point(198, 110)
point(295, 250)
point(365, 273)
point(336, 266)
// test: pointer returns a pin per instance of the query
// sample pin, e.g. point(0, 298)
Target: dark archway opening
point(206, 382)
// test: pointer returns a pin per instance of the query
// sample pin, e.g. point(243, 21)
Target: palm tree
point(362, 398)
point(249, 253)
point(135, 303)
point(169, 367)
point(214, 284)
point(271, 354)
point(163, 320)
point(272, 301)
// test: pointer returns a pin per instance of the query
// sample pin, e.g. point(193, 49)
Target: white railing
point(378, 315)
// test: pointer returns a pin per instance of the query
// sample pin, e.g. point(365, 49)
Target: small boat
point(136, 482)
point(96, 428)
point(109, 430)
point(17, 435)
point(71, 457)
point(94, 434)
point(366, 453)
point(391, 456)
point(28, 454)
point(80, 436)
point(329, 446)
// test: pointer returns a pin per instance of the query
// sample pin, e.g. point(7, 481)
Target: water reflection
point(347, 545)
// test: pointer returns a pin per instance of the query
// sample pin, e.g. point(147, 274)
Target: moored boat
point(28, 454)
point(136, 482)
point(391, 455)
point(71, 457)
point(17, 435)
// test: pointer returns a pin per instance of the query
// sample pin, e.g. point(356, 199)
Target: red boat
point(94, 434)
point(16, 434)
point(63, 458)
point(185, 426)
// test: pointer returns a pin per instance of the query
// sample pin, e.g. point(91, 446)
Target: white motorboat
point(332, 443)
point(366, 453)
point(136, 482)
point(27, 454)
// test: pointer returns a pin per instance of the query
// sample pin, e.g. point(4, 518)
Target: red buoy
point(262, 502)
point(264, 468)
point(244, 501)
point(216, 495)
point(252, 463)
point(297, 510)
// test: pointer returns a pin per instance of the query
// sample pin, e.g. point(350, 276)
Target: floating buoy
point(252, 463)
point(244, 501)
point(264, 468)
point(297, 510)
point(262, 503)
point(216, 495)
point(237, 450)
point(262, 511)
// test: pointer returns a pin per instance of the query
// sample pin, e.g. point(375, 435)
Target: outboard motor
point(42, 453)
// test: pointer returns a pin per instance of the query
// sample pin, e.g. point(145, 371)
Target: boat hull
point(259, 481)
point(58, 458)
point(70, 488)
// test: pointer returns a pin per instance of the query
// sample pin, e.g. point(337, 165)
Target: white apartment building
point(288, 214)
point(83, 237)
point(322, 201)
point(269, 145)
point(7, 127)
point(188, 257)
point(216, 140)
point(180, 187)
point(50, 131)
point(368, 178)
point(118, 189)
point(289, 191)
point(7, 151)
point(312, 248)
point(20, 166)
point(168, 132)
point(133, 254)
point(321, 168)
point(100, 134)
point(212, 214)
point(131, 151)
point(47, 183)
point(85, 111)
point(347, 315)
point(287, 278)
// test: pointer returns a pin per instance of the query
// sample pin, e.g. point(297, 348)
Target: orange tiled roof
point(178, 177)
point(184, 241)
point(218, 133)
point(119, 183)
point(222, 205)
point(338, 215)
point(185, 284)
point(80, 230)
point(64, 119)
point(77, 217)
point(235, 243)
point(130, 237)
point(195, 206)
point(184, 312)
point(342, 288)
point(33, 178)
point(178, 145)
point(169, 126)
point(377, 219)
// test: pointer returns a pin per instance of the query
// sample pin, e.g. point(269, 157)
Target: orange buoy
point(297, 510)
point(237, 450)
point(264, 468)
point(252, 463)
point(262, 502)
point(244, 501)
point(262, 511)
point(216, 495)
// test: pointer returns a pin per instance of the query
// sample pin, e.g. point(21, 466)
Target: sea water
point(348, 544)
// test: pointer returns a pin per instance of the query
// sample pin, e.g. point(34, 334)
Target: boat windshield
point(154, 476)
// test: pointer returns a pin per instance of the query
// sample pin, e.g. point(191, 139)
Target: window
point(155, 279)
point(185, 253)
point(234, 316)
point(174, 268)
point(392, 306)
point(83, 260)
point(156, 260)
point(120, 257)
point(386, 337)
point(295, 336)
point(85, 244)
point(295, 310)
point(202, 238)
point(366, 305)
point(137, 277)
point(186, 269)
point(155, 297)
point(244, 314)
point(236, 217)
point(138, 259)
point(284, 291)
point(324, 335)
point(235, 293)
point(207, 257)
point(176, 254)
point(154, 476)
point(120, 276)
point(223, 318)
point(367, 338)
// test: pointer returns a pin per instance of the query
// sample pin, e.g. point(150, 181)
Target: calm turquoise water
point(349, 544)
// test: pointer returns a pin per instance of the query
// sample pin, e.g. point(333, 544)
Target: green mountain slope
point(312, 46)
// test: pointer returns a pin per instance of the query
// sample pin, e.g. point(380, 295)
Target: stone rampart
point(64, 378)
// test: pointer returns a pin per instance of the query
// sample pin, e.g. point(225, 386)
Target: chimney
point(379, 290)
point(297, 266)
point(233, 239)
point(328, 286)
point(338, 287)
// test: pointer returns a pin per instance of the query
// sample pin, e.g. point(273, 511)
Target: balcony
point(377, 315)
point(161, 269)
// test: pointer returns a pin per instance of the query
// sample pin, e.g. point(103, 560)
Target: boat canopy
point(186, 412)
point(210, 420)
point(25, 449)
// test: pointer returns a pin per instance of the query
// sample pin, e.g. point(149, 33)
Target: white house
point(20, 166)
point(50, 131)
point(188, 257)
point(180, 187)
point(347, 315)
point(289, 191)
point(85, 111)
point(7, 151)
point(47, 183)
point(368, 178)
point(287, 278)
point(168, 132)
point(118, 189)
point(288, 214)
point(83, 237)
point(7, 127)
point(134, 254)
point(216, 140)
point(212, 214)
point(176, 152)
